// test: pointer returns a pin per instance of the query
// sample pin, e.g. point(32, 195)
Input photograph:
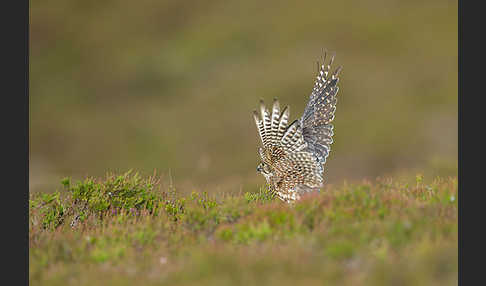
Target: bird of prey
point(293, 155)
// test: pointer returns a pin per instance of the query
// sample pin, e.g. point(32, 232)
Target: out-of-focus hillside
point(170, 85)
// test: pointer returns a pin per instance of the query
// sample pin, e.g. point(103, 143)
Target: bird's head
point(265, 170)
point(264, 167)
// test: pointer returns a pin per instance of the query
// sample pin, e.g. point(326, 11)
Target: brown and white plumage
point(293, 155)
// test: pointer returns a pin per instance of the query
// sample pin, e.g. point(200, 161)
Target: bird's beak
point(259, 168)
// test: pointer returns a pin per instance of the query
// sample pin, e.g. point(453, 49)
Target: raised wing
point(316, 121)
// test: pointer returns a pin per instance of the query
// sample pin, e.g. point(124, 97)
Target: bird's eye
point(266, 169)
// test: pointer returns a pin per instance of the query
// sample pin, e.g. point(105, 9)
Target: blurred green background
point(170, 85)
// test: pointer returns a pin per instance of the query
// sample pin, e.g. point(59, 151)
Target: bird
point(292, 156)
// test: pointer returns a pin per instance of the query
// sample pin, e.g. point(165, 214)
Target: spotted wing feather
point(293, 140)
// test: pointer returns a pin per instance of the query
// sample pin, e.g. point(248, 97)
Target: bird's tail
point(274, 131)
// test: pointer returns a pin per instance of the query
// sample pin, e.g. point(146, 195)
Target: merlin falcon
point(293, 155)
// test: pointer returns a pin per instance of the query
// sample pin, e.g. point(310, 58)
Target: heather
point(125, 229)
